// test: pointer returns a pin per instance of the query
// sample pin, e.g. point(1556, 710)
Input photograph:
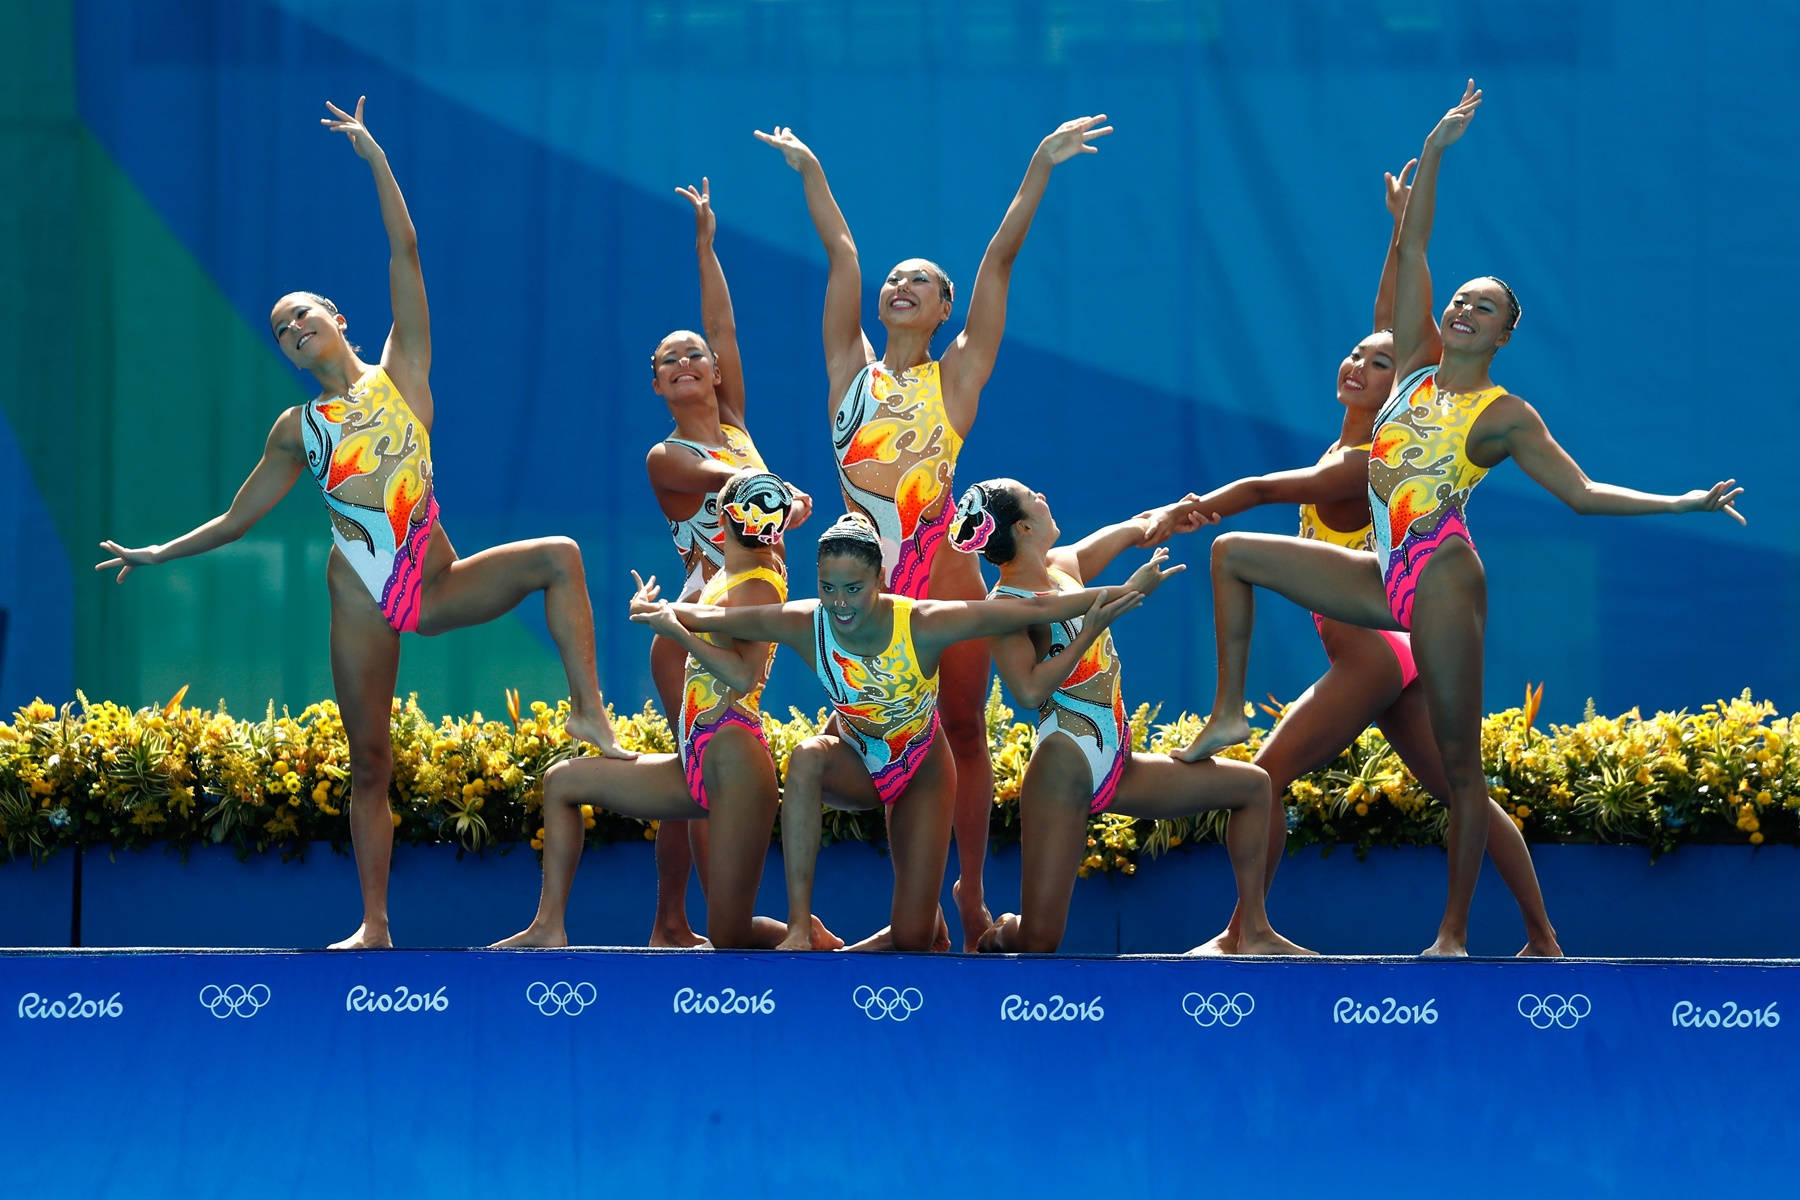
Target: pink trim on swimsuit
point(1399, 643)
point(400, 599)
point(693, 749)
point(1407, 562)
point(892, 779)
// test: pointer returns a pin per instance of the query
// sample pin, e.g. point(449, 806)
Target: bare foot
point(1446, 947)
point(801, 937)
point(536, 935)
point(823, 938)
point(975, 920)
point(681, 938)
point(1222, 729)
point(1224, 942)
point(366, 937)
point(1006, 929)
point(1542, 947)
point(1268, 942)
point(883, 939)
point(596, 731)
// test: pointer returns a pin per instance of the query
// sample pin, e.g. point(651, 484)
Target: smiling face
point(1366, 375)
point(915, 295)
point(684, 367)
point(1478, 319)
point(849, 590)
point(306, 329)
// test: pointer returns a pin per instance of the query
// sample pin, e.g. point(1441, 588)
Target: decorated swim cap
point(852, 527)
point(759, 505)
point(973, 523)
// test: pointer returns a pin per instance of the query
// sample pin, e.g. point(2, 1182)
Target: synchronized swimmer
point(904, 633)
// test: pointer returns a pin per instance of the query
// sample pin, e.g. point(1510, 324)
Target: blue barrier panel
point(485, 1073)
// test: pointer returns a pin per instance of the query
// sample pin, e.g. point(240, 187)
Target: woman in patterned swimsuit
point(898, 422)
point(701, 378)
point(722, 770)
point(1082, 762)
point(877, 654)
point(1372, 679)
point(1444, 427)
point(366, 441)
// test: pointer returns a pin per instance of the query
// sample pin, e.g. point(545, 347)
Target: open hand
point(1718, 498)
point(1456, 121)
point(706, 223)
point(1074, 137)
point(792, 148)
point(342, 122)
point(126, 559)
point(645, 599)
point(1150, 576)
point(800, 509)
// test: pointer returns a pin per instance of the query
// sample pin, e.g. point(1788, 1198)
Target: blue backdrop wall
point(1177, 315)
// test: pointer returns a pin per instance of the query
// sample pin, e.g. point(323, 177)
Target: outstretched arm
point(1527, 439)
point(1342, 476)
point(1033, 681)
point(1398, 188)
point(790, 623)
point(970, 359)
point(941, 623)
point(1416, 341)
point(715, 307)
point(739, 666)
point(409, 342)
point(282, 460)
point(847, 351)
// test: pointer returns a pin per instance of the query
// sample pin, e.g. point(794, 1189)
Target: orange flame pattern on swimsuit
point(1419, 460)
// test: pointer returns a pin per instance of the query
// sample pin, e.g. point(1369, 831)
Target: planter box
point(1606, 901)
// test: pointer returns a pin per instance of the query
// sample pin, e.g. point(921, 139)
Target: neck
point(336, 376)
point(741, 558)
point(1459, 372)
point(698, 422)
point(906, 349)
point(1028, 571)
point(1358, 427)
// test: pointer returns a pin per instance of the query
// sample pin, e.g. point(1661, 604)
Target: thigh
point(1341, 584)
point(1362, 681)
point(365, 661)
point(651, 787)
point(1449, 619)
point(475, 590)
point(843, 776)
point(1158, 787)
point(919, 834)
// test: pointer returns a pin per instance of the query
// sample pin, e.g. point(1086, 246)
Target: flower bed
point(100, 775)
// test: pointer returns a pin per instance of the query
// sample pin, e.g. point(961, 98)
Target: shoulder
point(753, 591)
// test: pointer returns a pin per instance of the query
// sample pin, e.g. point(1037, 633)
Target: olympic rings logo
point(560, 998)
point(877, 1003)
point(235, 1000)
point(1563, 1011)
point(1218, 1008)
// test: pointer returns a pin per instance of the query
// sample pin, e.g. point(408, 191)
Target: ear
point(1505, 337)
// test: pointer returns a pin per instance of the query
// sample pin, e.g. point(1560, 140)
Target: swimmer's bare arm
point(789, 624)
point(1342, 476)
point(847, 350)
point(970, 359)
point(1516, 430)
point(716, 314)
point(1032, 681)
point(1416, 339)
point(1398, 189)
point(741, 665)
point(938, 624)
point(407, 354)
point(1095, 552)
point(282, 461)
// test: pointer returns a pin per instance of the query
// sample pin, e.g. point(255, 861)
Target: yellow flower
point(396, 817)
point(1524, 810)
point(1362, 810)
point(1756, 839)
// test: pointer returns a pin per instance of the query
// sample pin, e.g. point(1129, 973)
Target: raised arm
point(715, 307)
point(282, 461)
point(1522, 434)
point(1416, 340)
point(847, 351)
point(409, 342)
point(970, 359)
point(1398, 188)
point(1031, 680)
